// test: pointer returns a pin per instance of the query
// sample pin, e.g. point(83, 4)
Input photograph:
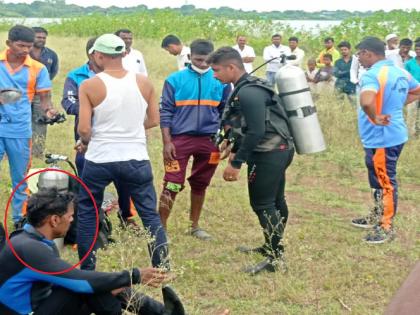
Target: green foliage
point(158, 23)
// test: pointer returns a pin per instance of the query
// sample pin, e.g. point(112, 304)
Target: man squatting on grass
point(385, 89)
point(76, 292)
point(116, 106)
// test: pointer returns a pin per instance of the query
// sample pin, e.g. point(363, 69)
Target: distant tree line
point(59, 8)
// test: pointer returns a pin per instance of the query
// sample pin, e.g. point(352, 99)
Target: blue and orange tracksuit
point(15, 122)
point(383, 144)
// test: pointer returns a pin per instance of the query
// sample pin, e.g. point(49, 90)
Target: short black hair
point(417, 40)
point(406, 42)
point(294, 39)
point(201, 47)
point(372, 44)
point(122, 30)
point(21, 33)
point(276, 35)
point(417, 44)
point(39, 29)
point(327, 39)
point(328, 56)
point(226, 54)
point(46, 202)
point(170, 40)
point(344, 43)
point(90, 44)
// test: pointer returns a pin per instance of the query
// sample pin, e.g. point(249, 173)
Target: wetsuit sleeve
point(167, 105)
point(253, 102)
point(41, 257)
point(70, 100)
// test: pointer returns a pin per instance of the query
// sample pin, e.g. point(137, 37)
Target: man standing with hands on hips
point(385, 89)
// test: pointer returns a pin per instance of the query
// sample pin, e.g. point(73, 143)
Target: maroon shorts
point(205, 156)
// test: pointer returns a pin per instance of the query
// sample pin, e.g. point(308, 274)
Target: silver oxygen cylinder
point(294, 91)
point(58, 180)
point(52, 179)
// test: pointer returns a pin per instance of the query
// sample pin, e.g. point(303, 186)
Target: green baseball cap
point(108, 44)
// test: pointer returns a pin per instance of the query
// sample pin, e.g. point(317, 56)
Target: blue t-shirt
point(391, 85)
point(32, 77)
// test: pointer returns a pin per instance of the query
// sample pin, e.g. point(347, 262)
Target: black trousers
point(266, 183)
point(65, 302)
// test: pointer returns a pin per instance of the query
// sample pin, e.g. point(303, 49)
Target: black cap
point(372, 44)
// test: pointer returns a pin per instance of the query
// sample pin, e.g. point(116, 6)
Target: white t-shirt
point(134, 61)
point(184, 58)
point(273, 51)
point(394, 56)
point(248, 51)
point(300, 55)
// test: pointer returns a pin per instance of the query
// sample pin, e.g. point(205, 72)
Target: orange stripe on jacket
point(195, 103)
point(25, 203)
point(379, 163)
point(34, 69)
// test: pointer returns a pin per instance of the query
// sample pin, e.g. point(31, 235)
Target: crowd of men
point(114, 103)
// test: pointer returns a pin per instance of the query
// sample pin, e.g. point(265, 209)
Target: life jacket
point(276, 119)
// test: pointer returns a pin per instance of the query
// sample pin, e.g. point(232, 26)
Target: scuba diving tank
point(58, 180)
point(52, 179)
point(303, 120)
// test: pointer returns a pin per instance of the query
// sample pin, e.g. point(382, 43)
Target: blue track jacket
point(192, 103)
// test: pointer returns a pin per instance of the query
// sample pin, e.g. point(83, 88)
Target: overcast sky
point(262, 5)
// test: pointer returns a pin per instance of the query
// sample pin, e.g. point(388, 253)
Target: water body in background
point(305, 25)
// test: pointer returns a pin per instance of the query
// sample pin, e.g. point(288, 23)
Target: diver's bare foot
point(225, 312)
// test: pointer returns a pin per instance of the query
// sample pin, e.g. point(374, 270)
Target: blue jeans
point(271, 78)
point(122, 191)
point(138, 178)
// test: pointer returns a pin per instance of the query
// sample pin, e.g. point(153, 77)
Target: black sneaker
point(367, 222)
point(256, 250)
point(380, 235)
point(269, 265)
point(265, 265)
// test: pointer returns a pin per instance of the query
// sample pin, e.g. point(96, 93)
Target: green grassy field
point(331, 271)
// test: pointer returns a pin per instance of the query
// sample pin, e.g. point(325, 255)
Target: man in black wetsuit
point(37, 290)
point(257, 125)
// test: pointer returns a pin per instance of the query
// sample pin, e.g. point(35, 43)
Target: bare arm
point(46, 105)
point(85, 113)
point(148, 92)
point(368, 104)
point(248, 59)
point(413, 96)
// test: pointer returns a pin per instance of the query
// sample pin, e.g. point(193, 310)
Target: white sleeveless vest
point(118, 132)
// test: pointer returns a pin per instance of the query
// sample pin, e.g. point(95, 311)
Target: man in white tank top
point(116, 106)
